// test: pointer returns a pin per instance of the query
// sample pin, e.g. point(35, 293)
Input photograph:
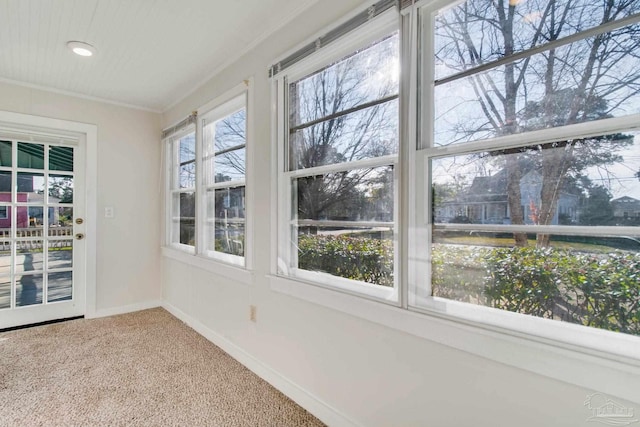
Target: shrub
point(599, 290)
point(358, 258)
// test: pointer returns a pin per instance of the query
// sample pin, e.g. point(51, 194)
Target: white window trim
point(232, 101)
point(233, 267)
point(611, 360)
point(366, 34)
point(170, 156)
point(569, 350)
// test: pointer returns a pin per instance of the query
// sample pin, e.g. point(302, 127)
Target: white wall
point(128, 180)
point(369, 374)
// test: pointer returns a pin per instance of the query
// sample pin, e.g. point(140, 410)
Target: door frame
point(10, 121)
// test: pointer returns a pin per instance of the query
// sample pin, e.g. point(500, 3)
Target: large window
point(224, 163)
point(531, 155)
point(207, 181)
point(182, 190)
point(338, 169)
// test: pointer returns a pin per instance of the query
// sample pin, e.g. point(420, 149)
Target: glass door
point(41, 240)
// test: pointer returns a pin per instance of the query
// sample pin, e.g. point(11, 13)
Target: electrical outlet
point(252, 313)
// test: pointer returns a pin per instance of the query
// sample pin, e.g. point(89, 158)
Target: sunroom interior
point(394, 348)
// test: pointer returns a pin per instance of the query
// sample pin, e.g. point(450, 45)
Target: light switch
point(108, 212)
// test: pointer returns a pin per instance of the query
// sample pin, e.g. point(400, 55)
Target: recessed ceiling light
point(81, 48)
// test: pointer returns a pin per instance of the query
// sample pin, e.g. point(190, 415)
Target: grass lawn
point(475, 240)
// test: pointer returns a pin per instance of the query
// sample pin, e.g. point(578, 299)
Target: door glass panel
point(60, 221)
point(60, 189)
point(5, 257)
point(5, 222)
point(29, 221)
point(59, 286)
point(61, 159)
point(29, 256)
point(28, 290)
point(30, 156)
point(5, 292)
point(60, 254)
point(5, 186)
point(30, 187)
point(5, 153)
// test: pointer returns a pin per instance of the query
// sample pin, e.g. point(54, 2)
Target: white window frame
point(225, 107)
point(232, 266)
point(172, 172)
point(600, 360)
point(605, 343)
point(366, 34)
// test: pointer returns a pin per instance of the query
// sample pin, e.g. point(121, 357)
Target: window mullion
point(538, 137)
point(342, 113)
point(199, 190)
point(389, 160)
point(225, 184)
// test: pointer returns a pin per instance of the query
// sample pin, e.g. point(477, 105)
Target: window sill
point(611, 374)
point(229, 271)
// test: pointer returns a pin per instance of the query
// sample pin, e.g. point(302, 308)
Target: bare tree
point(586, 80)
point(344, 112)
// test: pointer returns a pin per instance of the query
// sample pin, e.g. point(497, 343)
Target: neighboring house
point(27, 216)
point(485, 202)
point(626, 208)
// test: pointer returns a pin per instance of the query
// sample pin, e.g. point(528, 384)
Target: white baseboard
point(311, 403)
point(124, 309)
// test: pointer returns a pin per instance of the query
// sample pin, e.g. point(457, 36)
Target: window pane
point(588, 182)
point(60, 221)
point(224, 142)
point(230, 166)
point(367, 75)
point(184, 210)
point(5, 257)
point(29, 256)
point(60, 254)
point(187, 159)
point(231, 131)
point(543, 91)
point(28, 290)
point(362, 254)
point(364, 134)
point(477, 26)
point(59, 286)
point(356, 195)
point(30, 187)
point(591, 281)
point(29, 221)
point(5, 292)
point(5, 153)
point(61, 158)
point(5, 186)
point(30, 155)
point(225, 228)
point(5, 221)
point(60, 189)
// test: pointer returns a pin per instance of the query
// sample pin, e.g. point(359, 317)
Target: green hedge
point(599, 290)
point(358, 258)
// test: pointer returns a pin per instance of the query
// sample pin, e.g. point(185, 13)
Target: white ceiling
point(151, 53)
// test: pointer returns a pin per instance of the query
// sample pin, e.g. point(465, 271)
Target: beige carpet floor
point(140, 369)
